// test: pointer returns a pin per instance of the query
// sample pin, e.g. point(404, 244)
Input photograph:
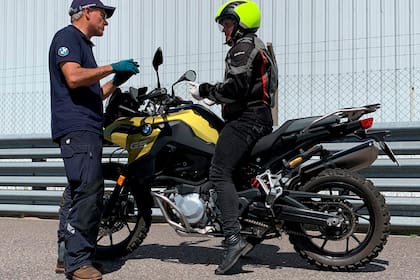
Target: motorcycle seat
point(287, 130)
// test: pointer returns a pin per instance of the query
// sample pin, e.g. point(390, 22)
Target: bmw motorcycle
point(291, 183)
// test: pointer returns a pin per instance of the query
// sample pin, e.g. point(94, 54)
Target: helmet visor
point(221, 27)
point(225, 24)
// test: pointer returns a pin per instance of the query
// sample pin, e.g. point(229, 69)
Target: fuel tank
point(141, 135)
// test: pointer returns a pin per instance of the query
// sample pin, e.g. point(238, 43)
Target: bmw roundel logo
point(146, 129)
point(63, 51)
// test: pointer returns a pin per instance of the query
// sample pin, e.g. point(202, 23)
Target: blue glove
point(128, 65)
point(121, 77)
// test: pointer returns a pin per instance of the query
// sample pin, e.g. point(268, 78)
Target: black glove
point(205, 89)
point(121, 77)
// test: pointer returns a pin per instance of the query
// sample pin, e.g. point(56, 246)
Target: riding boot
point(235, 248)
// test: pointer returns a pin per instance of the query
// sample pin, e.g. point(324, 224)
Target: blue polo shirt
point(73, 109)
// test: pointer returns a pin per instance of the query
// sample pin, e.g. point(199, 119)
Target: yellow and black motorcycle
point(290, 184)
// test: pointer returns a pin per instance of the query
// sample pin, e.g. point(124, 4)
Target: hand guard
point(193, 89)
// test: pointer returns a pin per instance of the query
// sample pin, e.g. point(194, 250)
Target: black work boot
point(235, 248)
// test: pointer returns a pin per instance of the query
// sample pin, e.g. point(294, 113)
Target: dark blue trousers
point(81, 206)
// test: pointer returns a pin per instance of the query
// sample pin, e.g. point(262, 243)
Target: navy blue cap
point(78, 5)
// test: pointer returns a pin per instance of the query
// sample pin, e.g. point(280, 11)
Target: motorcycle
point(290, 183)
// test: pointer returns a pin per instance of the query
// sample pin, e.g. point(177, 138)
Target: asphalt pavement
point(28, 251)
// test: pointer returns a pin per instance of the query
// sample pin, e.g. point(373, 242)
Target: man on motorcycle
point(245, 98)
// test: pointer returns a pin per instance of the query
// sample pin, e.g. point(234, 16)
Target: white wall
point(331, 53)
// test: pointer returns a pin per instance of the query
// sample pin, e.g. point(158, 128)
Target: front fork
point(110, 204)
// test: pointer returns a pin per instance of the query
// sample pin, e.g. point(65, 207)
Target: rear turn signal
point(366, 123)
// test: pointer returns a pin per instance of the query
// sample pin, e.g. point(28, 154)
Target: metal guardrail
point(32, 176)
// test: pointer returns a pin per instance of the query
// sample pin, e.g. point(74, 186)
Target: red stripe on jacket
point(264, 77)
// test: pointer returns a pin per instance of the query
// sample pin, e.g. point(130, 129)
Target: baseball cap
point(78, 5)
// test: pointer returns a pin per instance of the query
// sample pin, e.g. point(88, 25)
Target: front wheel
point(363, 232)
point(128, 225)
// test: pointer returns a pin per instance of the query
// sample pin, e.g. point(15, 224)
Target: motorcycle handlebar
point(156, 93)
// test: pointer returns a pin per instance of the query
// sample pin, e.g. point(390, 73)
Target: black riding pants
point(235, 142)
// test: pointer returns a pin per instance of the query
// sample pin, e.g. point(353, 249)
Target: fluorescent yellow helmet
point(246, 14)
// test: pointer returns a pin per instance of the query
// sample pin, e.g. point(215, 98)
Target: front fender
point(111, 170)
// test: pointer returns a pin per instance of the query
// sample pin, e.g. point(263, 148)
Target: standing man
point(77, 125)
point(245, 95)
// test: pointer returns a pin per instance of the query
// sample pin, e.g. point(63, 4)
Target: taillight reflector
point(366, 123)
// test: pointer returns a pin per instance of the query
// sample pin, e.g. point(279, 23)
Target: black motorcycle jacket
point(248, 80)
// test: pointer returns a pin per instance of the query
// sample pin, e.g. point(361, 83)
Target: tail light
point(366, 123)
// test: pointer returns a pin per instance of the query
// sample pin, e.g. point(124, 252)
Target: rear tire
point(361, 237)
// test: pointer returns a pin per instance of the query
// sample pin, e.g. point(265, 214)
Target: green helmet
point(245, 13)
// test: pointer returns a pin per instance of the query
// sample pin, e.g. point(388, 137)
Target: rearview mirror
point(157, 59)
point(190, 75)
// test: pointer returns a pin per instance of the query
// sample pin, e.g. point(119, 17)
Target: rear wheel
point(363, 232)
point(128, 225)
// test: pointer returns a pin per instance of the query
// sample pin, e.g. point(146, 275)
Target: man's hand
point(121, 77)
point(128, 65)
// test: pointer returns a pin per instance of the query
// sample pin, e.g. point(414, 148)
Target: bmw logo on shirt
point(63, 51)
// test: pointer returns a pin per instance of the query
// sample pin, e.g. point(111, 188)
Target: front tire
point(128, 227)
point(363, 233)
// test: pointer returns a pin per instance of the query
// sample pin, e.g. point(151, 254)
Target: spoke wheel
point(363, 229)
point(127, 226)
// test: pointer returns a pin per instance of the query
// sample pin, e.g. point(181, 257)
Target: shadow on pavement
point(263, 255)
